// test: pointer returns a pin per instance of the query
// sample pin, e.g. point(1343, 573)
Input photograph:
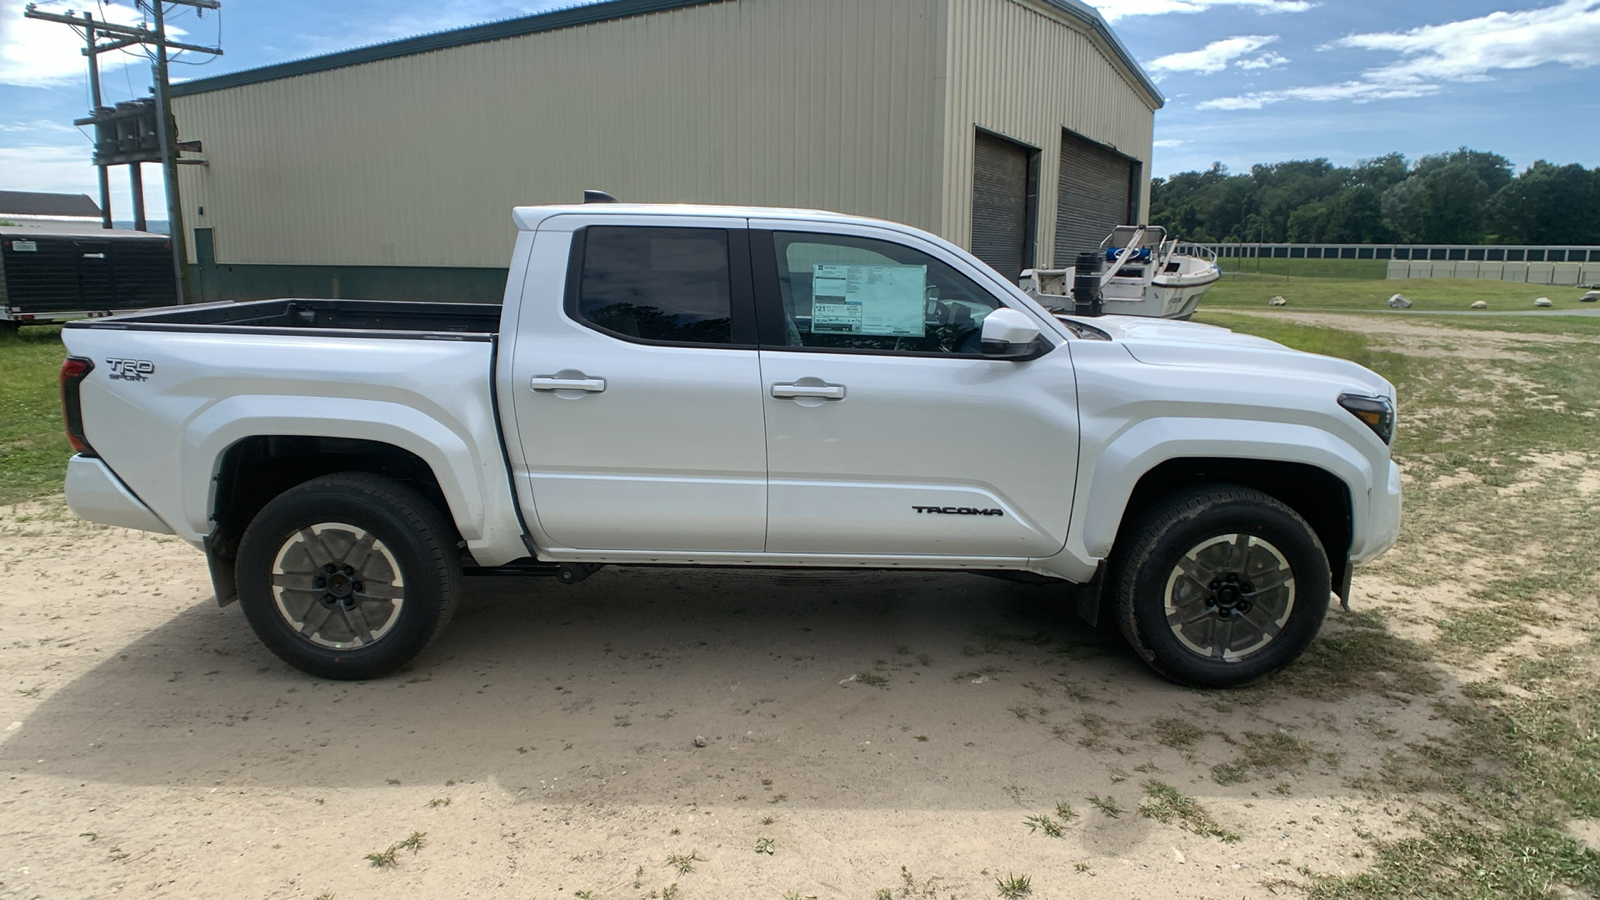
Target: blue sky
point(1246, 81)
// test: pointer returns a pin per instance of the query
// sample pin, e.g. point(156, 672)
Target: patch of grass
point(1107, 805)
point(1178, 734)
point(684, 864)
point(1348, 657)
point(388, 859)
point(1479, 630)
point(766, 845)
point(1065, 812)
point(1264, 756)
point(1013, 886)
point(1045, 824)
point(872, 680)
point(1460, 859)
point(1167, 805)
point(33, 444)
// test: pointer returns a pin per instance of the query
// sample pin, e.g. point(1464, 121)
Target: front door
point(638, 399)
point(888, 433)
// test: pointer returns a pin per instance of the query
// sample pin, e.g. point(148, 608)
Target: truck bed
point(373, 318)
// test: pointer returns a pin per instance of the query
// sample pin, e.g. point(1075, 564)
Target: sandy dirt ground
point(546, 745)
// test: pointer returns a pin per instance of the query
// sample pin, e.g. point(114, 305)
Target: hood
point(1167, 342)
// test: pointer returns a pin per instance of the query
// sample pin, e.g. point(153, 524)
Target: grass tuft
point(1167, 805)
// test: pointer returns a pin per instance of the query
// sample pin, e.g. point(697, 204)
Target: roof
point(568, 18)
point(30, 203)
point(28, 234)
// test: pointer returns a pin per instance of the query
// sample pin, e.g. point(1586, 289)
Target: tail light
point(74, 369)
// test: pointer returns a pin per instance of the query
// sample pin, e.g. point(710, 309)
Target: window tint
point(659, 284)
point(861, 294)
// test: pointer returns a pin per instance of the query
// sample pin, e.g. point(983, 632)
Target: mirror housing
point(1009, 334)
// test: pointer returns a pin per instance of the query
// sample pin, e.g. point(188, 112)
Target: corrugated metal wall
point(417, 161)
point(1018, 68)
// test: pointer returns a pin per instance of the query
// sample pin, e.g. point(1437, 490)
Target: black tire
point(313, 606)
point(1186, 591)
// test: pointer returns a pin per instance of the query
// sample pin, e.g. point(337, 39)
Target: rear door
point(888, 433)
point(637, 395)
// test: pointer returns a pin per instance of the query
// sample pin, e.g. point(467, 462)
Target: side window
point(854, 293)
point(657, 284)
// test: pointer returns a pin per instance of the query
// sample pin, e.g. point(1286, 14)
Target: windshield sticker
point(881, 300)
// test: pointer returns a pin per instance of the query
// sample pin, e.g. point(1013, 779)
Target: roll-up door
point(1095, 195)
point(1000, 204)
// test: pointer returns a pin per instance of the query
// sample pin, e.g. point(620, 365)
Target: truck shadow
point(870, 689)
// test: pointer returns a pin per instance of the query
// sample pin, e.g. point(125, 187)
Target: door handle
point(560, 383)
point(819, 391)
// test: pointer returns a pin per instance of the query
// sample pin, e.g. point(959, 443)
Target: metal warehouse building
point(1018, 128)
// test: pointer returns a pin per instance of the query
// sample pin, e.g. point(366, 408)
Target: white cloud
point(1213, 57)
point(1166, 143)
point(1465, 51)
point(1264, 61)
point(1354, 91)
point(1113, 10)
point(68, 170)
point(1567, 33)
point(48, 54)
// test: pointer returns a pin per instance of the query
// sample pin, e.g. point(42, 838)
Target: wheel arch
point(1317, 495)
point(254, 470)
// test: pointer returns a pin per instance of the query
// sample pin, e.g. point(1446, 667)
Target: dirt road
point(547, 745)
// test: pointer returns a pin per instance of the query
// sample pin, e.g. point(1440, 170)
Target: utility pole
point(139, 131)
point(94, 94)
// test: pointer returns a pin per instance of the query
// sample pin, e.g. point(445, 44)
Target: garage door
point(1000, 204)
point(1094, 196)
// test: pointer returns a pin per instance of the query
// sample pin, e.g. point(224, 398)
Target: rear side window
point(657, 284)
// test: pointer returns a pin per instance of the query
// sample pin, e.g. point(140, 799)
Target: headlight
point(1376, 412)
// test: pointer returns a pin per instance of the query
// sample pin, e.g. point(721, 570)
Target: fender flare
point(209, 435)
point(1130, 455)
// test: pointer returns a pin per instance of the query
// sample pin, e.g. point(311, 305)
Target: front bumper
point(1383, 520)
point(95, 493)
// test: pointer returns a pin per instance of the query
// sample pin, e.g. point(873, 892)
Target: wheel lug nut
point(319, 582)
point(358, 587)
point(329, 568)
point(348, 571)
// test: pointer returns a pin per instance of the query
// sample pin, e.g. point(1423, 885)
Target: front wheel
point(1220, 585)
point(348, 576)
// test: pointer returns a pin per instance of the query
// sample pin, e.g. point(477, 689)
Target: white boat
point(1144, 273)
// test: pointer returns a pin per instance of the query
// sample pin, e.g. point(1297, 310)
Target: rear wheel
point(1220, 585)
point(348, 576)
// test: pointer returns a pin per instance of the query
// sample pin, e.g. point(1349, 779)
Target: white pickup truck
point(718, 386)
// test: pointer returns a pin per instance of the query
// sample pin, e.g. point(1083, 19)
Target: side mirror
point(1009, 334)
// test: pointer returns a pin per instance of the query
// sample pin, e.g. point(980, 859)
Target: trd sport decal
point(959, 511)
point(131, 369)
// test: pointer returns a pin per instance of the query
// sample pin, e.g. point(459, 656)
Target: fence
point(1565, 265)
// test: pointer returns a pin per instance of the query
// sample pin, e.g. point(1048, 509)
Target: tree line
point(1462, 197)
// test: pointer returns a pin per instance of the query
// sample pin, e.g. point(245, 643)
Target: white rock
point(1399, 301)
point(1543, 302)
point(1479, 304)
point(1277, 301)
point(1590, 297)
point(699, 741)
